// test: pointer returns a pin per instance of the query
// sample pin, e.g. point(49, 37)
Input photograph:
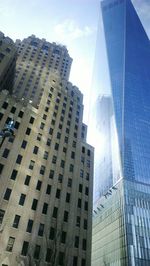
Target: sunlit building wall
point(122, 72)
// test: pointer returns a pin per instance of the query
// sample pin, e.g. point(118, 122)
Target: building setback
point(46, 175)
point(121, 228)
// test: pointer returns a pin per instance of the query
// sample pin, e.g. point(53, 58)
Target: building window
point(35, 150)
point(79, 203)
point(63, 237)
point(16, 221)
point(52, 233)
point(71, 168)
point(34, 204)
point(27, 180)
point(87, 176)
point(80, 188)
point(54, 159)
point(78, 219)
point(28, 131)
point(25, 248)
point(48, 142)
point(58, 193)
point(45, 155)
point(24, 144)
point(2, 213)
point(1, 168)
point(86, 206)
point(14, 174)
point(75, 261)
point(62, 164)
point(42, 125)
point(29, 226)
point(68, 197)
point(45, 208)
point(5, 153)
point(76, 242)
point(56, 146)
point(55, 212)
point(83, 262)
point(51, 175)
point(37, 252)
point(42, 170)
point(10, 244)
point(31, 120)
point(20, 114)
point(61, 258)
point(5, 105)
point(66, 215)
point(31, 165)
point(39, 136)
point(17, 124)
point(86, 191)
point(48, 255)
point(39, 184)
point(81, 173)
point(72, 154)
point(41, 230)
point(51, 131)
point(69, 182)
point(58, 135)
point(19, 159)
point(48, 190)
point(22, 199)
point(84, 244)
point(7, 194)
point(85, 224)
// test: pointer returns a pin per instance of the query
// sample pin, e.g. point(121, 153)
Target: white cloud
point(69, 30)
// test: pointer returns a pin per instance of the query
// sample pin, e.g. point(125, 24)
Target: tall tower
point(46, 170)
point(121, 227)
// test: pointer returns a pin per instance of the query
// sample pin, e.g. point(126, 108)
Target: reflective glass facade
point(121, 118)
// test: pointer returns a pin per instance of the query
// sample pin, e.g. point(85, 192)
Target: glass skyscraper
point(121, 116)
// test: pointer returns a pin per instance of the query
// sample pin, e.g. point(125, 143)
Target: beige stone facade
point(46, 175)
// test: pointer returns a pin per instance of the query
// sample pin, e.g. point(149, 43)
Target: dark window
point(53, 122)
point(24, 144)
point(45, 208)
point(10, 244)
point(60, 126)
point(76, 242)
point(35, 150)
point(87, 176)
point(84, 244)
point(83, 263)
point(60, 178)
point(55, 212)
point(56, 146)
point(41, 230)
point(69, 182)
point(20, 114)
point(74, 144)
point(37, 252)
point(72, 155)
point(34, 204)
point(64, 149)
point(66, 140)
point(14, 174)
point(54, 159)
point(51, 175)
point(19, 159)
point(58, 193)
point(31, 120)
point(51, 131)
point(39, 136)
point(71, 168)
point(48, 190)
point(79, 203)
point(52, 233)
point(88, 153)
point(48, 255)
point(42, 170)
point(2, 213)
point(61, 258)
point(85, 224)
point(80, 188)
point(44, 117)
point(1, 116)
point(75, 261)
point(7, 194)
point(81, 173)
point(83, 149)
point(48, 142)
point(29, 226)
point(39, 184)
point(62, 163)
point(22, 199)
point(13, 110)
point(5, 105)
point(28, 131)
point(86, 190)
point(42, 125)
point(68, 197)
point(27, 180)
point(45, 155)
point(78, 219)
point(25, 248)
point(58, 135)
point(1, 168)
point(86, 206)
point(31, 165)
point(17, 124)
point(63, 237)
point(16, 221)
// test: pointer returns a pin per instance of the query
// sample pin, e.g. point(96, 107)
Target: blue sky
point(70, 22)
